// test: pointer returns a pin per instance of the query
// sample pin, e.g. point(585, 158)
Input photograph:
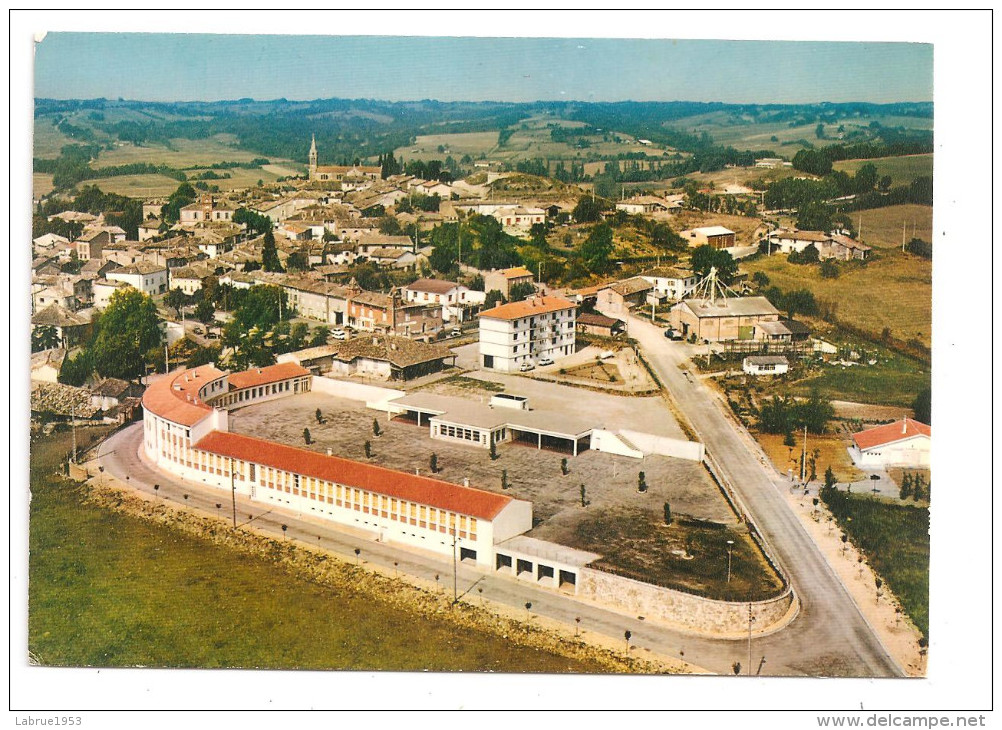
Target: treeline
point(869, 190)
point(127, 213)
point(820, 161)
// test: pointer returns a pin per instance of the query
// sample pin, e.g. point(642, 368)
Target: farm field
point(185, 153)
point(902, 169)
point(473, 144)
point(136, 186)
point(893, 290)
point(41, 184)
point(240, 177)
point(47, 141)
point(882, 226)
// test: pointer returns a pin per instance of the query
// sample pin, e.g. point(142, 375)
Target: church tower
point(313, 158)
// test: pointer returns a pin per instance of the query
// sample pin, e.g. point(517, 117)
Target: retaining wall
point(609, 442)
point(700, 615)
point(651, 444)
point(368, 394)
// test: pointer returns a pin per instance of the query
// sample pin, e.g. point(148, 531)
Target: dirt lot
point(610, 481)
point(832, 448)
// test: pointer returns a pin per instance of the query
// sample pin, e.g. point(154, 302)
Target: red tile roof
point(891, 432)
point(528, 308)
point(401, 485)
point(266, 375)
point(175, 396)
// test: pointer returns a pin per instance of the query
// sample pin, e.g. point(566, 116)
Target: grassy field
point(895, 539)
point(901, 169)
point(240, 178)
point(687, 555)
point(893, 290)
point(41, 184)
point(138, 186)
point(882, 226)
point(108, 589)
point(473, 144)
point(185, 153)
point(47, 141)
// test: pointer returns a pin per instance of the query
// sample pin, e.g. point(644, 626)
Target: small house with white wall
point(902, 443)
point(765, 365)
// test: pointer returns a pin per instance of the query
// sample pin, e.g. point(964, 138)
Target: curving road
point(830, 636)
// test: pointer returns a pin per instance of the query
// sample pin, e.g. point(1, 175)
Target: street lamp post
point(730, 547)
point(233, 492)
point(455, 569)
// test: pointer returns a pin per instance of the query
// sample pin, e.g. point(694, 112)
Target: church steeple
point(313, 157)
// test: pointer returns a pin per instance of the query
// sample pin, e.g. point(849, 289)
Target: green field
point(47, 141)
point(895, 540)
point(894, 290)
point(137, 186)
point(901, 169)
point(109, 589)
point(183, 153)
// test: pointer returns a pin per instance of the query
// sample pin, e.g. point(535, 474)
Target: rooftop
point(401, 485)
point(889, 433)
point(266, 375)
point(731, 307)
point(528, 308)
point(175, 396)
point(432, 286)
point(628, 287)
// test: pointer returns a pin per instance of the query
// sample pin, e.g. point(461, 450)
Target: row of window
point(456, 432)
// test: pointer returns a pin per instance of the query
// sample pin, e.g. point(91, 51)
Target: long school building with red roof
point(186, 434)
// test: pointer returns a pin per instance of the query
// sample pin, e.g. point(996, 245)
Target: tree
point(433, 463)
point(641, 482)
point(76, 370)
point(906, 486)
point(368, 449)
point(298, 261)
point(563, 466)
point(205, 312)
point(814, 216)
point(706, 257)
point(44, 338)
point(597, 249)
point(809, 255)
point(520, 291)
point(306, 436)
point(126, 332)
point(667, 513)
point(587, 210)
point(829, 269)
point(760, 278)
point(376, 430)
point(504, 479)
point(176, 299)
point(269, 254)
point(493, 451)
point(922, 406)
point(477, 283)
point(320, 416)
point(830, 480)
point(584, 500)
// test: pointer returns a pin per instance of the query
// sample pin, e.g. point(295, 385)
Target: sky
point(189, 67)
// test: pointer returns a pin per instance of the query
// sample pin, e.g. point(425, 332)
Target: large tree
point(128, 331)
point(269, 253)
point(706, 257)
point(596, 251)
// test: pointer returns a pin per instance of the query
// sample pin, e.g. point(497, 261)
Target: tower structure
point(313, 157)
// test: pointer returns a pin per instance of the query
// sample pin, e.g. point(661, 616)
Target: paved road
point(120, 457)
point(830, 636)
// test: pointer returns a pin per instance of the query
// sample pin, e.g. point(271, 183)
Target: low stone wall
point(651, 444)
point(699, 615)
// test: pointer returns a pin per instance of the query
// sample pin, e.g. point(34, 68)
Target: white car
point(339, 334)
point(545, 361)
point(526, 367)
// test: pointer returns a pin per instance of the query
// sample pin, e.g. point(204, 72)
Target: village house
point(716, 236)
point(373, 311)
point(104, 289)
point(71, 327)
point(642, 205)
point(589, 323)
point(904, 443)
point(670, 282)
point(619, 297)
point(503, 280)
point(765, 365)
point(148, 278)
point(371, 240)
point(207, 210)
point(376, 356)
point(458, 302)
point(46, 364)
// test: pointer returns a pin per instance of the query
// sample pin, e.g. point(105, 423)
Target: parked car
point(672, 334)
point(455, 332)
point(339, 334)
point(545, 361)
point(526, 367)
point(198, 330)
point(212, 335)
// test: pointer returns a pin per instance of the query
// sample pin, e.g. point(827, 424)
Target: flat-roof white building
point(526, 332)
point(148, 278)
